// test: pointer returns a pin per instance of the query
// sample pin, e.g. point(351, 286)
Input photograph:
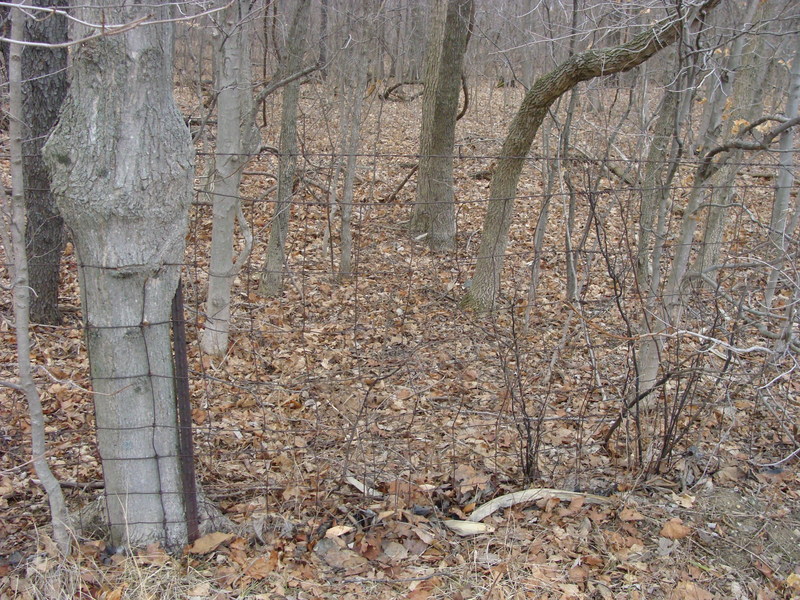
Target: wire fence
point(379, 380)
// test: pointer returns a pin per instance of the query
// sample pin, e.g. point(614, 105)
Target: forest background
point(382, 338)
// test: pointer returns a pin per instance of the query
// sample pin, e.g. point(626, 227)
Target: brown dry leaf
point(578, 574)
point(793, 581)
point(115, 594)
point(262, 566)
point(688, 590)
point(570, 591)
point(728, 475)
point(395, 551)
point(201, 590)
point(630, 514)
point(338, 531)
point(209, 543)
point(422, 590)
point(674, 529)
point(684, 500)
point(335, 556)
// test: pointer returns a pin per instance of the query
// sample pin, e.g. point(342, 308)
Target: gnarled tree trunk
point(121, 163)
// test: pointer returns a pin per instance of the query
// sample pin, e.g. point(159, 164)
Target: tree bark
point(780, 228)
point(271, 283)
point(434, 209)
point(44, 72)
point(121, 163)
point(22, 295)
point(522, 131)
point(659, 172)
point(237, 139)
point(747, 71)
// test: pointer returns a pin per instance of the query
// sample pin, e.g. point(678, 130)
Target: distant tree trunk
point(237, 139)
point(434, 209)
point(780, 229)
point(522, 131)
point(44, 74)
point(659, 171)
point(350, 126)
point(271, 283)
point(121, 163)
point(747, 71)
point(16, 255)
point(323, 38)
point(549, 166)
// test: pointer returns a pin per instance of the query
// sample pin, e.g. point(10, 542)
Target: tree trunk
point(350, 126)
point(779, 229)
point(271, 282)
point(237, 139)
point(522, 131)
point(748, 70)
point(121, 163)
point(434, 209)
point(323, 39)
point(659, 172)
point(44, 72)
point(16, 253)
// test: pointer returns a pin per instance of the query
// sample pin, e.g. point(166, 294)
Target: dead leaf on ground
point(674, 529)
point(688, 590)
point(630, 514)
point(262, 566)
point(209, 543)
point(336, 556)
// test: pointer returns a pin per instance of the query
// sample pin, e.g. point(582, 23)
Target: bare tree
point(781, 227)
point(237, 140)
point(522, 131)
point(15, 250)
point(272, 276)
point(121, 163)
point(434, 209)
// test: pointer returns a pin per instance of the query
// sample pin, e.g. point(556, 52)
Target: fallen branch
point(530, 495)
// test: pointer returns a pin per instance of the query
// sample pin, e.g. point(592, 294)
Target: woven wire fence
point(378, 382)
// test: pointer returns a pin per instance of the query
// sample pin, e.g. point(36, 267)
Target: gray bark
point(121, 163)
point(434, 209)
point(237, 139)
point(747, 72)
point(350, 125)
point(44, 72)
point(22, 296)
point(779, 227)
point(659, 172)
point(522, 131)
point(271, 282)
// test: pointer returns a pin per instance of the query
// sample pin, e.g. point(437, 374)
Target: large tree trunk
point(237, 138)
point(271, 282)
point(434, 209)
point(121, 162)
point(44, 72)
point(522, 131)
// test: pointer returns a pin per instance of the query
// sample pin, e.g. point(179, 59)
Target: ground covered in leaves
point(354, 420)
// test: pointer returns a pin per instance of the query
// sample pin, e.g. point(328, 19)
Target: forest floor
point(354, 419)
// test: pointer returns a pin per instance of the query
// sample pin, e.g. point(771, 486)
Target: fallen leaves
point(674, 529)
point(209, 543)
